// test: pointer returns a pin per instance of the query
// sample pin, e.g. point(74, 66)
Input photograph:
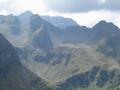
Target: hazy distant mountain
point(60, 22)
point(10, 24)
point(25, 15)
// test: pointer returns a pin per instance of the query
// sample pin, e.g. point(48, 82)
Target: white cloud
point(36, 6)
point(91, 18)
point(102, 1)
point(4, 12)
point(3, 1)
point(77, 6)
point(18, 6)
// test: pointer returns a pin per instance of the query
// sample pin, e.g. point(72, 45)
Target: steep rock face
point(107, 39)
point(25, 17)
point(41, 36)
point(77, 34)
point(13, 75)
point(13, 24)
point(105, 30)
point(7, 53)
point(36, 22)
point(42, 40)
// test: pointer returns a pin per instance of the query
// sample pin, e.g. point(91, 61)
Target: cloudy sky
point(84, 12)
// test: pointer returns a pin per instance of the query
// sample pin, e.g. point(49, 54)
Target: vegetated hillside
point(75, 55)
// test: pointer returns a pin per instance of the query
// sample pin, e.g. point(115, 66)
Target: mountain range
point(57, 53)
